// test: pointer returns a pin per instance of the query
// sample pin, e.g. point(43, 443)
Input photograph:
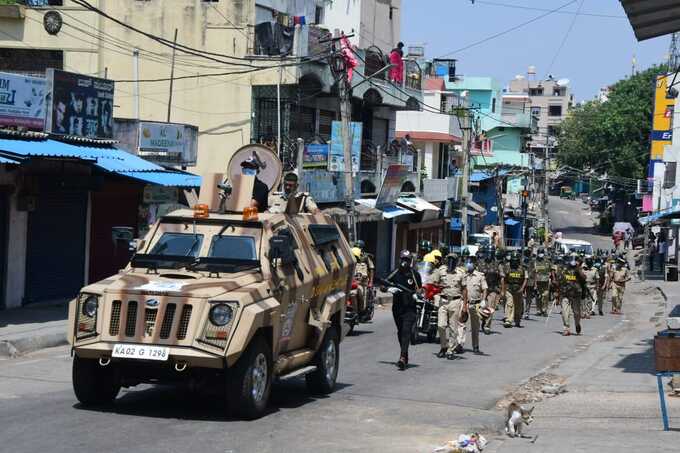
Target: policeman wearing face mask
point(572, 283)
point(406, 283)
point(476, 292)
point(290, 200)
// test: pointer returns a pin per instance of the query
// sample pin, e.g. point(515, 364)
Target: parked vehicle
point(427, 315)
point(568, 246)
point(566, 192)
point(352, 314)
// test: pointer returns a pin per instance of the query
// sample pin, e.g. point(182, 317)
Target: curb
point(10, 349)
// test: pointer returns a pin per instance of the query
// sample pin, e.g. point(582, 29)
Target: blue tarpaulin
point(511, 222)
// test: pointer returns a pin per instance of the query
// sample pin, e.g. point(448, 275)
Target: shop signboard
point(22, 101)
point(316, 156)
point(337, 155)
point(168, 143)
point(395, 177)
point(79, 105)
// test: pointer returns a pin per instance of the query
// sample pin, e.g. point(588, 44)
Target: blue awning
point(659, 215)
point(8, 161)
point(511, 222)
point(107, 158)
point(165, 178)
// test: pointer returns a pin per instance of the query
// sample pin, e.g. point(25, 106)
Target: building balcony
point(523, 120)
point(429, 127)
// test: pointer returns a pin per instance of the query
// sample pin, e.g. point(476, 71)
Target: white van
point(568, 246)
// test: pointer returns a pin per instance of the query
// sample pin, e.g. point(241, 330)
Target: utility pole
point(135, 86)
point(345, 118)
point(172, 75)
point(499, 205)
point(467, 146)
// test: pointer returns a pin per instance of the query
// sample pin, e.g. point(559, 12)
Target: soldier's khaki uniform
point(438, 278)
point(514, 304)
point(476, 287)
point(602, 287)
point(571, 287)
point(531, 287)
point(592, 283)
point(494, 273)
point(450, 308)
point(619, 279)
point(300, 203)
point(542, 270)
point(361, 273)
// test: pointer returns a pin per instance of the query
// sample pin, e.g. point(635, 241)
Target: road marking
point(28, 362)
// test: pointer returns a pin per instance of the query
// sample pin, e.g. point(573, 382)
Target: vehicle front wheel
point(249, 381)
point(327, 361)
point(93, 384)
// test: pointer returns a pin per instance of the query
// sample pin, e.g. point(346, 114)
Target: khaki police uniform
point(531, 287)
point(592, 283)
point(476, 290)
point(515, 281)
point(299, 203)
point(361, 273)
point(542, 270)
point(571, 286)
point(494, 273)
point(602, 287)
point(619, 279)
point(450, 308)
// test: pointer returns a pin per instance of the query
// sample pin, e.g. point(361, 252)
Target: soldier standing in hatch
point(516, 282)
point(476, 292)
point(571, 286)
point(299, 202)
point(451, 304)
point(407, 282)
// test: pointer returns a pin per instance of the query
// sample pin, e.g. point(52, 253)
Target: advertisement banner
point(390, 190)
point(662, 131)
point(79, 105)
point(337, 157)
point(316, 156)
point(22, 101)
point(168, 143)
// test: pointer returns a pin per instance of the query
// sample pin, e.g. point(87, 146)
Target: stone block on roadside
point(553, 389)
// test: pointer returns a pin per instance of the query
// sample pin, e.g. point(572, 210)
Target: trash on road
point(554, 389)
point(466, 443)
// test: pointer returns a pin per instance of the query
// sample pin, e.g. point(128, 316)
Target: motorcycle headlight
point(90, 306)
point(221, 314)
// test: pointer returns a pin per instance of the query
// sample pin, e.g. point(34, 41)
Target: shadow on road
point(178, 402)
point(639, 362)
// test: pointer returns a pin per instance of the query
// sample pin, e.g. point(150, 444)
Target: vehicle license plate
point(143, 352)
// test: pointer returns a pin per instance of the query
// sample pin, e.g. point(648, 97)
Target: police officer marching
point(592, 283)
point(515, 282)
point(451, 303)
point(543, 272)
point(571, 285)
point(476, 293)
point(493, 269)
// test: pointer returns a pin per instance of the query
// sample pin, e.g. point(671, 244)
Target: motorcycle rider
point(363, 274)
point(452, 301)
point(407, 282)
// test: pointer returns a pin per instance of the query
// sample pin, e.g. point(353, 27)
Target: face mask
point(572, 264)
point(288, 190)
point(249, 171)
point(469, 267)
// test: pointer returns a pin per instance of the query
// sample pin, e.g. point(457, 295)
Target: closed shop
point(55, 255)
point(4, 210)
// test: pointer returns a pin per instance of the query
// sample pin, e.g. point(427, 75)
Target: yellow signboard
point(662, 130)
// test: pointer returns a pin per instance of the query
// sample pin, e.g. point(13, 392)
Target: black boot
point(578, 329)
point(401, 364)
point(517, 324)
point(476, 351)
point(459, 349)
point(442, 353)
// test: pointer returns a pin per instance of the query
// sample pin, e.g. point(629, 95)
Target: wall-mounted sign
point(316, 156)
point(79, 105)
point(22, 101)
point(390, 190)
point(337, 157)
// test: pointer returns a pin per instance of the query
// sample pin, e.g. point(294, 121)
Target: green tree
point(612, 136)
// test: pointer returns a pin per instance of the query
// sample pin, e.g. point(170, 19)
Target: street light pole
point(467, 146)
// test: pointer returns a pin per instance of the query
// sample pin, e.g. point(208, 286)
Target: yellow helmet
point(429, 258)
point(436, 254)
point(356, 251)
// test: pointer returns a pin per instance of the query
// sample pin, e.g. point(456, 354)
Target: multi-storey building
point(551, 99)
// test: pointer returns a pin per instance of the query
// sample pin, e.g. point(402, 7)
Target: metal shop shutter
point(4, 210)
point(55, 255)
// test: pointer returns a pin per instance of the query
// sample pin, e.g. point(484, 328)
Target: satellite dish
point(563, 82)
point(270, 169)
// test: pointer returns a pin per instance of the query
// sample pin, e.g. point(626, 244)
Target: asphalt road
point(376, 407)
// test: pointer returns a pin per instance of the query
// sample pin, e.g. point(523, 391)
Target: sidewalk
point(27, 329)
point(612, 402)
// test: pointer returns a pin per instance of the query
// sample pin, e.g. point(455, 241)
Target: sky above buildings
point(598, 49)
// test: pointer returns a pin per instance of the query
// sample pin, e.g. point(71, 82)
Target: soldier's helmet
point(515, 259)
point(452, 261)
point(360, 244)
point(499, 254)
point(589, 262)
point(443, 249)
point(356, 251)
point(465, 253)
